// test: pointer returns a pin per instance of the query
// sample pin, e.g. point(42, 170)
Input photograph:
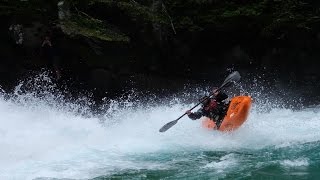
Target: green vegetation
point(186, 15)
point(91, 28)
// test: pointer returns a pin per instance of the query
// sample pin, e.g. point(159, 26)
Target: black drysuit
point(213, 108)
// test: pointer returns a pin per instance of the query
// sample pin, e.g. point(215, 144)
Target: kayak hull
point(237, 114)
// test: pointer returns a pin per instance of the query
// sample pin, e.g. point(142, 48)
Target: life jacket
point(215, 111)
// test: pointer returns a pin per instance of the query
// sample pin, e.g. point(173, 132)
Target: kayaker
point(214, 108)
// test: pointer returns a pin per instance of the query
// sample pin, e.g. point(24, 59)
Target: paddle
point(233, 77)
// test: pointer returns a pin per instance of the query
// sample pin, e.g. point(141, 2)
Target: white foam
point(295, 163)
point(225, 162)
point(47, 138)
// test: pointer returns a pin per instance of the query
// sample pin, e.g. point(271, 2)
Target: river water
point(43, 136)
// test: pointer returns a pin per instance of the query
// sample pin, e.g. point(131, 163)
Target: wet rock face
point(153, 69)
point(140, 49)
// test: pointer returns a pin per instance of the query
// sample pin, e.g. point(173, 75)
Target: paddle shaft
point(202, 101)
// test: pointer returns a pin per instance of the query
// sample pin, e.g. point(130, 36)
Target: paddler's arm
point(195, 115)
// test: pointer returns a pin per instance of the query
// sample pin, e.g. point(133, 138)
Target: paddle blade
point(233, 77)
point(168, 126)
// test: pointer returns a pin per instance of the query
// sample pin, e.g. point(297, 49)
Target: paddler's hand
point(188, 112)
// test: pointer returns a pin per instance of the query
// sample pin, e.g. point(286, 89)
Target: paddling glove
point(195, 115)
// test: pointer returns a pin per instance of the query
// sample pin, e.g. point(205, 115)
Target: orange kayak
point(237, 114)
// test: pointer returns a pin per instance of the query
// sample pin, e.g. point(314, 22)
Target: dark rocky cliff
point(108, 46)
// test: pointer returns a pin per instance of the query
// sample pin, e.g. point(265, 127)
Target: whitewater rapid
point(47, 138)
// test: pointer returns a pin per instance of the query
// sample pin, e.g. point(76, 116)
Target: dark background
point(109, 47)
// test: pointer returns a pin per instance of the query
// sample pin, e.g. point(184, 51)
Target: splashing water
point(43, 136)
